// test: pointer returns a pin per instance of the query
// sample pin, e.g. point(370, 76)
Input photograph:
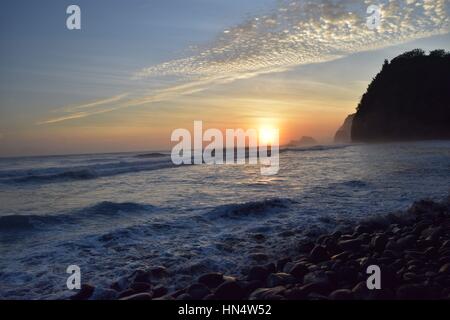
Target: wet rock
point(139, 296)
point(250, 286)
point(360, 291)
point(392, 245)
point(432, 233)
point(179, 292)
point(362, 229)
point(322, 288)
point(318, 254)
point(159, 291)
point(406, 241)
point(271, 267)
point(295, 293)
point(341, 294)
point(139, 287)
point(411, 292)
point(280, 279)
point(121, 284)
point(445, 245)
point(141, 276)
point(306, 246)
point(84, 293)
point(259, 257)
point(257, 273)
point(282, 262)
point(379, 242)
point(267, 293)
point(299, 270)
point(419, 227)
point(341, 256)
point(198, 291)
point(230, 290)
point(211, 280)
point(158, 272)
point(347, 274)
point(430, 252)
point(126, 293)
point(351, 245)
point(313, 296)
point(184, 297)
point(104, 294)
point(445, 269)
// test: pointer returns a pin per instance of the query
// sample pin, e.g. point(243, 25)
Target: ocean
point(111, 214)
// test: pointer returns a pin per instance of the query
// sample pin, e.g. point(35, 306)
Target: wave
point(105, 208)
point(98, 170)
point(354, 184)
point(108, 208)
point(24, 222)
point(67, 175)
point(314, 148)
point(152, 155)
point(247, 209)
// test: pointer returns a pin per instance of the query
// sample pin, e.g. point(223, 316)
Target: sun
point(268, 136)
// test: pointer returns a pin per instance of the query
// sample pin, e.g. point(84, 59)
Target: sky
point(139, 69)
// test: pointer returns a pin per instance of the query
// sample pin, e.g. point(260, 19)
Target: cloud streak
point(292, 33)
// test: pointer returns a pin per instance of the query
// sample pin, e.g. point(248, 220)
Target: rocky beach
point(412, 249)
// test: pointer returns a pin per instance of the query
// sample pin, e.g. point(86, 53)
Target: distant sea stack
point(344, 133)
point(408, 100)
point(303, 142)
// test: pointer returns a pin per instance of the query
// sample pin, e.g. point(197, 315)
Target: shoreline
point(412, 249)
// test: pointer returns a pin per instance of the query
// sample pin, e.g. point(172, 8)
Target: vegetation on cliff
point(409, 99)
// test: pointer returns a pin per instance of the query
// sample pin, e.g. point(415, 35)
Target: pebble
point(139, 296)
point(318, 254)
point(280, 279)
point(211, 280)
point(413, 252)
point(84, 293)
point(229, 290)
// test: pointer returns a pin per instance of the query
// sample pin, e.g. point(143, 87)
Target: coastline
point(412, 249)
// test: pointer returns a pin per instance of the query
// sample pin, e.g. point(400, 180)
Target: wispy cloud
point(96, 103)
point(293, 33)
point(72, 112)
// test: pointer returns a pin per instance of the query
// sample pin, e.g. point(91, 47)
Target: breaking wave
point(253, 208)
point(61, 174)
point(105, 208)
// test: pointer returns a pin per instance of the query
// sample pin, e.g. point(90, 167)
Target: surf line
point(240, 147)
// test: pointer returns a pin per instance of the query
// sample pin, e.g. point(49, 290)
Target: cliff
point(343, 135)
point(409, 99)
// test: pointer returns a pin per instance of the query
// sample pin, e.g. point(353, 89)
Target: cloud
point(77, 115)
point(72, 112)
point(292, 33)
point(300, 32)
point(97, 103)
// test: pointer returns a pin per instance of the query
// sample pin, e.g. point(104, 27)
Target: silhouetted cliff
point(343, 135)
point(408, 100)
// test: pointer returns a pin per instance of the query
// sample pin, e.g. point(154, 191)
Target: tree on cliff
point(408, 99)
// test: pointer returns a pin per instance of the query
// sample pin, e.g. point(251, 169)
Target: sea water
point(111, 214)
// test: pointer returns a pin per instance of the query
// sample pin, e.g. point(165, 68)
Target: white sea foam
point(195, 218)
